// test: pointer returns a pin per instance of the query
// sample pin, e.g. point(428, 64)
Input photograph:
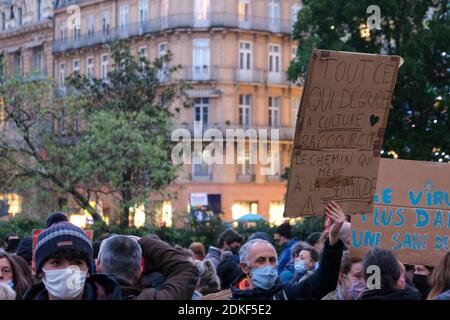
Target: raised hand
point(334, 212)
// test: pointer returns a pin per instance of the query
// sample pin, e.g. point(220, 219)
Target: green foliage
point(20, 226)
point(419, 31)
point(116, 140)
point(206, 233)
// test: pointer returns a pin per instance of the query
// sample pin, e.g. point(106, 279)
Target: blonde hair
point(6, 293)
point(441, 277)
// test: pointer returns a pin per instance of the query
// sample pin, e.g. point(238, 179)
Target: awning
point(203, 93)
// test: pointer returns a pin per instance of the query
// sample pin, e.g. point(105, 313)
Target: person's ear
point(98, 266)
point(244, 267)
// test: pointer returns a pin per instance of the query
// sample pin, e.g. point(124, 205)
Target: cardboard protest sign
point(411, 213)
point(35, 235)
point(339, 134)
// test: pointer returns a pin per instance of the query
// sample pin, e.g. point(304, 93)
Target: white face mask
point(64, 284)
point(9, 283)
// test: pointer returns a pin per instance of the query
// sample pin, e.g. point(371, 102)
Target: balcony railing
point(245, 177)
point(200, 177)
point(213, 20)
point(285, 133)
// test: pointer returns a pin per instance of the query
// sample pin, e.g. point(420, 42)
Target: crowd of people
point(69, 266)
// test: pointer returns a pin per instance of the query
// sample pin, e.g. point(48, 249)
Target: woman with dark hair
point(441, 280)
point(13, 275)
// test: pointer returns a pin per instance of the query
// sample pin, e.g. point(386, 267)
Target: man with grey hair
point(120, 257)
point(126, 258)
point(260, 280)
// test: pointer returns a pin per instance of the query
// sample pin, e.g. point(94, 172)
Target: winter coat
point(214, 255)
point(408, 293)
point(181, 275)
point(96, 287)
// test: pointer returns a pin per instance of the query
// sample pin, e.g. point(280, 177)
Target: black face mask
point(421, 283)
point(235, 251)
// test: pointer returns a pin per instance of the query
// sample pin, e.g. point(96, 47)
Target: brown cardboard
point(339, 133)
point(407, 192)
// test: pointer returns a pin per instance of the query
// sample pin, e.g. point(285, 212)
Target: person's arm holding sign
point(324, 279)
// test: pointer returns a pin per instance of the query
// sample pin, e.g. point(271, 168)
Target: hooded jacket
point(96, 287)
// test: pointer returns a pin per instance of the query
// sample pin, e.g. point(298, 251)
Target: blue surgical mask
point(264, 277)
point(299, 266)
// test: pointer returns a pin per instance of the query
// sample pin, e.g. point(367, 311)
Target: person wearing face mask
point(422, 279)
point(260, 280)
point(229, 240)
point(289, 270)
point(304, 264)
point(351, 281)
point(13, 275)
point(64, 262)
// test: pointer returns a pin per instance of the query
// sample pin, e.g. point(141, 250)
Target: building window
point(164, 13)
point(295, 104)
point(62, 31)
point(38, 58)
point(293, 53)
point(245, 167)
point(20, 16)
point(17, 63)
point(143, 12)
point(90, 25)
point(39, 10)
point(274, 15)
point(274, 111)
point(104, 66)
point(201, 110)
point(201, 10)
point(201, 59)
point(90, 67)
point(3, 22)
point(244, 11)
point(76, 65)
point(245, 55)
point(163, 74)
point(62, 74)
point(199, 167)
point(105, 23)
point(143, 52)
point(77, 31)
point(274, 58)
point(241, 208)
point(294, 13)
point(123, 18)
point(245, 109)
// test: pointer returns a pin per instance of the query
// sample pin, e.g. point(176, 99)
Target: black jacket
point(96, 287)
point(228, 270)
point(408, 293)
point(129, 291)
point(315, 287)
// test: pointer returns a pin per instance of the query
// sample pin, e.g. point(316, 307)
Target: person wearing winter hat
point(25, 249)
point(55, 217)
point(284, 238)
point(64, 262)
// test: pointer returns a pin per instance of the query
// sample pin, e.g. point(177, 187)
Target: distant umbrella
point(251, 217)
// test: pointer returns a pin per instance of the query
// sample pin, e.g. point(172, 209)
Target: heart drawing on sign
point(373, 120)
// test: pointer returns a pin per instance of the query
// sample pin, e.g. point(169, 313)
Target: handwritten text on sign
point(340, 129)
point(411, 215)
